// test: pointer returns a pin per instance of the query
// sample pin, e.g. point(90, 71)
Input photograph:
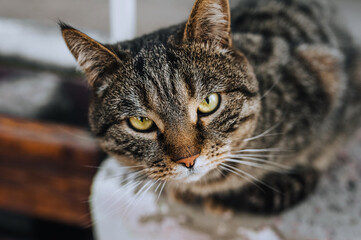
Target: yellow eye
point(209, 104)
point(141, 123)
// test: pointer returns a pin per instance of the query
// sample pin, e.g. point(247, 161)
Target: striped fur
point(289, 79)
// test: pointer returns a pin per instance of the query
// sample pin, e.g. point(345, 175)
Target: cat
point(215, 106)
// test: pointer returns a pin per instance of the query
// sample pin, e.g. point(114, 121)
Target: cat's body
point(288, 78)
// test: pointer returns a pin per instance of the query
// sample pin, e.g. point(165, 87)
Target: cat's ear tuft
point(94, 58)
point(64, 26)
point(209, 22)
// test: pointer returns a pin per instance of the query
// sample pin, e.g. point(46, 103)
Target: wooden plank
point(44, 170)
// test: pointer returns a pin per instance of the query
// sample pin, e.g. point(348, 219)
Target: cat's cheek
point(244, 131)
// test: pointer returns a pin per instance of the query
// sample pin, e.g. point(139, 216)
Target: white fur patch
point(118, 212)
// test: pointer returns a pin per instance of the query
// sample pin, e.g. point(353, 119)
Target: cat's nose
point(189, 161)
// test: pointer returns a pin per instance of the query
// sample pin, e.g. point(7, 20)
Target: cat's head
point(175, 108)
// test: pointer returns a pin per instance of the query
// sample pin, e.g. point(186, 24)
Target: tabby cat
point(240, 114)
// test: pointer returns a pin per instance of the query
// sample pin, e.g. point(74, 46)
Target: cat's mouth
point(201, 168)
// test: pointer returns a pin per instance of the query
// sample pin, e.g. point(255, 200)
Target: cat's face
point(174, 109)
point(168, 87)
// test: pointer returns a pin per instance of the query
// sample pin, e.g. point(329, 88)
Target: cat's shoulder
point(327, 63)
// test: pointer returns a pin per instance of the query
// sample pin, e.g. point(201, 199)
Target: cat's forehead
point(160, 83)
point(153, 51)
point(179, 72)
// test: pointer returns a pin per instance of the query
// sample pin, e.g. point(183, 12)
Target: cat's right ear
point(94, 58)
point(209, 22)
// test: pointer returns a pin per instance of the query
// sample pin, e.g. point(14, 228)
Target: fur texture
point(289, 83)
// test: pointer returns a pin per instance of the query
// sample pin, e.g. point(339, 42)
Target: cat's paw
point(281, 192)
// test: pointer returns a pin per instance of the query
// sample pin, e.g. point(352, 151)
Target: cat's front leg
point(278, 192)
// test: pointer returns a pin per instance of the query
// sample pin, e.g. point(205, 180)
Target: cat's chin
point(189, 175)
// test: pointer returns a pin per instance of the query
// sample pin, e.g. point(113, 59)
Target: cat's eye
point(210, 104)
point(141, 124)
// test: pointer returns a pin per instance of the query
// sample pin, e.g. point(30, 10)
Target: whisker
point(265, 156)
point(109, 208)
point(251, 176)
point(256, 165)
point(261, 155)
point(221, 172)
point(160, 192)
point(135, 166)
point(261, 150)
point(132, 185)
point(114, 193)
point(157, 187)
point(262, 134)
point(144, 192)
point(140, 197)
point(84, 138)
point(226, 167)
point(259, 136)
point(135, 198)
point(89, 166)
point(120, 167)
point(139, 172)
point(142, 188)
point(271, 88)
point(156, 182)
point(274, 164)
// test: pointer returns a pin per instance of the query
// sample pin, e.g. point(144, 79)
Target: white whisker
point(271, 88)
point(160, 192)
point(135, 197)
point(252, 164)
point(142, 188)
point(135, 166)
point(142, 195)
point(259, 136)
point(261, 150)
point(259, 155)
point(266, 162)
point(135, 174)
point(119, 167)
point(109, 208)
point(116, 192)
point(227, 168)
point(157, 187)
point(220, 172)
point(262, 134)
point(156, 182)
point(251, 176)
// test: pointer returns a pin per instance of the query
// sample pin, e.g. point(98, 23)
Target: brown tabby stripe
point(284, 17)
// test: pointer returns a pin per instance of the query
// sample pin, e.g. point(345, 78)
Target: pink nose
point(189, 161)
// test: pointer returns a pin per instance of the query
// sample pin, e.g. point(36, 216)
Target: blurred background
point(47, 156)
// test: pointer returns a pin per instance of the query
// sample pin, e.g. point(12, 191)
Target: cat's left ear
point(209, 22)
point(94, 58)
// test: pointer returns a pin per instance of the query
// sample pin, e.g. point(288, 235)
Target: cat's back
point(296, 21)
point(306, 63)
